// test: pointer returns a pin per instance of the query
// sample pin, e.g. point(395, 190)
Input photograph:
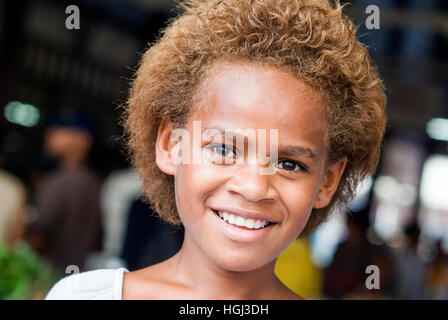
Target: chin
point(237, 263)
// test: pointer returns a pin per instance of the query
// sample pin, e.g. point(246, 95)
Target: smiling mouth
point(240, 222)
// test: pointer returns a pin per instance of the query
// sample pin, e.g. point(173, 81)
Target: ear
point(164, 148)
point(330, 182)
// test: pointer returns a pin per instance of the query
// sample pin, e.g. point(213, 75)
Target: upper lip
point(247, 214)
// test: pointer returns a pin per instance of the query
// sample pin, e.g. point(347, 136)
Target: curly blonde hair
point(311, 39)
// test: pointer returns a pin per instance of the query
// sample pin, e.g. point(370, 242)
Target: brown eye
point(291, 166)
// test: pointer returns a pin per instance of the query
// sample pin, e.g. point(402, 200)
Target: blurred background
point(70, 202)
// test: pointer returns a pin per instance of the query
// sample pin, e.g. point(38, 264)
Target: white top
point(118, 192)
point(102, 284)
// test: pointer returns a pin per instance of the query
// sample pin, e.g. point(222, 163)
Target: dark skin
point(155, 283)
point(215, 261)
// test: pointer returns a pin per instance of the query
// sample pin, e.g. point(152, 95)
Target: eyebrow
point(292, 151)
point(287, 151)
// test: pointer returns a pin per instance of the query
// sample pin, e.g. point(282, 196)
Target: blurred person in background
point(118, 191)
point(67, 224)
point(346, 277)
point(12, 202)
point(437, 278)
point(411, 270)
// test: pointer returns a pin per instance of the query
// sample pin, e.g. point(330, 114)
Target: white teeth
point(250, 224)
point(240, 221)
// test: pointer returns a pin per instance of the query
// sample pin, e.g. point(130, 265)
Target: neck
point(210, 281)
point(73, 162)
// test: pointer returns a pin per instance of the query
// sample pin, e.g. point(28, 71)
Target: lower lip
point(242, 234)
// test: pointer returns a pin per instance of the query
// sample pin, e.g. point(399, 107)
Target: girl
point(223, 73)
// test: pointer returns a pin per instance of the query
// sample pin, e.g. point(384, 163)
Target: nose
point(251, 185)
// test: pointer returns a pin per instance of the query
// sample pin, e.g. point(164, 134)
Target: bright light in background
point(434, 185)
point(393, 199)
point(389, 189)
point(387, 220)
point(326, 238)
point(437, 129)
point(433, 214)
point(22, 114)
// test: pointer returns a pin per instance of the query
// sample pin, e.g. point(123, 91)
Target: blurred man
point(68, 222)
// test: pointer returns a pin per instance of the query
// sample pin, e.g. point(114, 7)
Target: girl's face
point(246, 96)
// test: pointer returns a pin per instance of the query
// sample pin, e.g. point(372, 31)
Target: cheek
point(193, 183)
point(299, 200)
point(299, 196)
point(297, 224)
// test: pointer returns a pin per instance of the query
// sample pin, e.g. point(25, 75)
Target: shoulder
point(8, 180)
point(102, 284)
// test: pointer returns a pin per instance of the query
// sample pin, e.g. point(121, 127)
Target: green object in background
point(23, 274)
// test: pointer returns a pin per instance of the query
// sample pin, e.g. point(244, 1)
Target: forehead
point(243, 95)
